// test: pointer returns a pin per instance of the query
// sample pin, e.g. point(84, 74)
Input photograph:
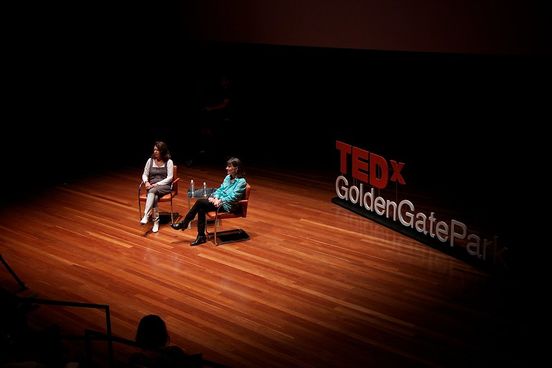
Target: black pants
point(200, 208)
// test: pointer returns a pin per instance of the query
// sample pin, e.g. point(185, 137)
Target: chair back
point(245, 201)
point(174, 184)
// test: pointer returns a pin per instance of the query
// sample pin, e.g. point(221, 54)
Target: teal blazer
point(230, 192)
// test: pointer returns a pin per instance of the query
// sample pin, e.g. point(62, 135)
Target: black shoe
point(179, 226)
point(199, 240)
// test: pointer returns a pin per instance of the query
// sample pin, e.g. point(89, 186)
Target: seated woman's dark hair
point(163, 150)
point(152, 332)
point(236, 162)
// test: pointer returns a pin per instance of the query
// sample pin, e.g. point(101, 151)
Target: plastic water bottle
point(204, 189)
point(192, 188)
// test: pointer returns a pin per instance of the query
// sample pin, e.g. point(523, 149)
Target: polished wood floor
point(315, 286)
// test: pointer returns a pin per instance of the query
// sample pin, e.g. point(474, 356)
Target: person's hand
point(215, 201)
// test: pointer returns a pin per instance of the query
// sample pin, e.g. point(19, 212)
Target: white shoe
point(144, 219)
point(155, 227)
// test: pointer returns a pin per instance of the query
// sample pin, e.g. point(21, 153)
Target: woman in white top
point(157, 177)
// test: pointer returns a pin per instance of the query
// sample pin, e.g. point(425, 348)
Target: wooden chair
point(217, 216)
point(166, 198)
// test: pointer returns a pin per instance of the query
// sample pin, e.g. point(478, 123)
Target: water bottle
point(204, 189)
point(192, 188)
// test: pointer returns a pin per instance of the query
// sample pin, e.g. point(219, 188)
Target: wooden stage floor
point(315, 286)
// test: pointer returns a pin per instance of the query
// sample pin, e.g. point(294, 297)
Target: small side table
point(197, 194)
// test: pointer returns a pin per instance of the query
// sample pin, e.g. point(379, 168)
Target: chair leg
point(172, 213)
point(214, 233)
point(139, 204)
point(216, 221)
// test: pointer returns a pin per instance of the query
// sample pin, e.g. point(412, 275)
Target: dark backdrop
point(90, 91)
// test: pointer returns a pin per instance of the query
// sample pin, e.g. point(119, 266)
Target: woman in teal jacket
point(226, 196)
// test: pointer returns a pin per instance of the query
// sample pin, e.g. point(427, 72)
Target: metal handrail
point(64, 303)
point(21, 284)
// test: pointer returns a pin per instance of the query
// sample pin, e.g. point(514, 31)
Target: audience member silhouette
point(153, 339)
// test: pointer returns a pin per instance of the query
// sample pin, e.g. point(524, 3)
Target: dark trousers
point(200, 208)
